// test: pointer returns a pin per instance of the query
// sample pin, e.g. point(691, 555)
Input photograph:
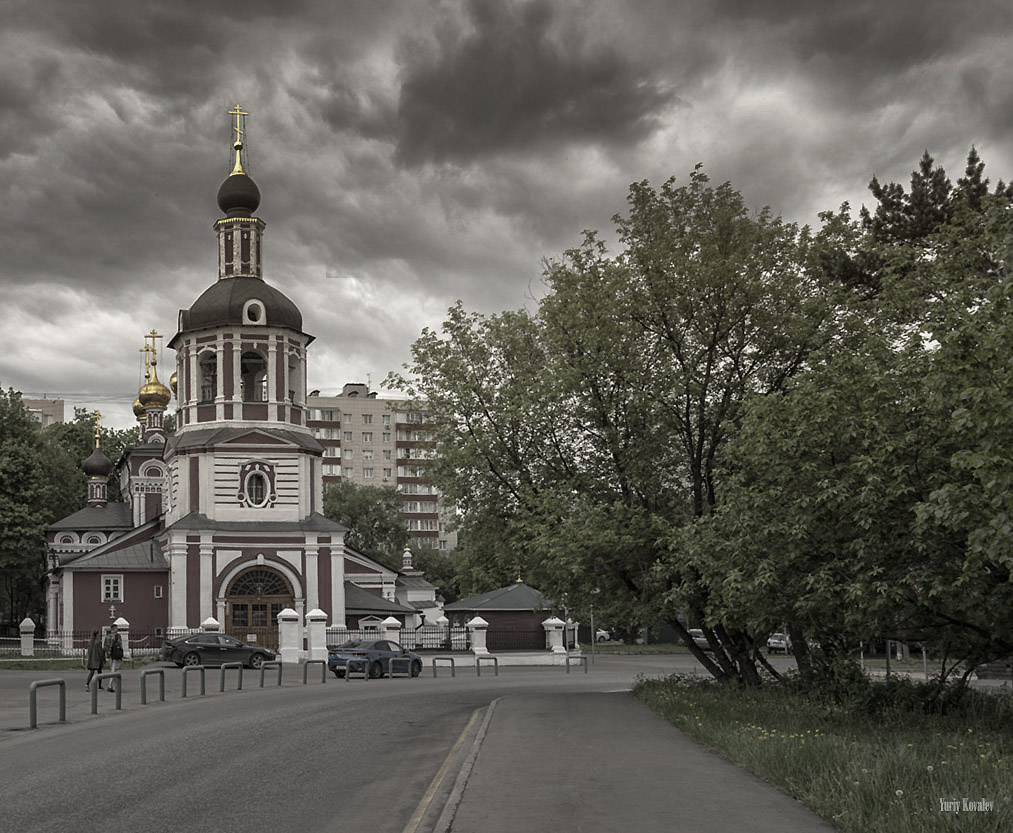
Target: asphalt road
point(371, 756)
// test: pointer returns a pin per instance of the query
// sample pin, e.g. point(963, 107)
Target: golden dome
point(154, 394)
point(172, 384)
point(139, 410)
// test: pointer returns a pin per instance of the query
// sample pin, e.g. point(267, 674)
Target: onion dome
point(173, 382)
point(139, 411)
point(228, 304)
point(239, 195)
point(154, 394)
point(97, 464)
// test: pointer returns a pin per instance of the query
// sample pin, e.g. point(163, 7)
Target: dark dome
point(97, 464)
point(238, 196)
point(222, 305)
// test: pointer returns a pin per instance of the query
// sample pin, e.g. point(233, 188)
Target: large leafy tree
point(373, 516)
point(575, 438)
point(38, 484)
point(868, 498)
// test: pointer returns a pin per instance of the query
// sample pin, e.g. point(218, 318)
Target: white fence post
point(316, 634)
point(477, 627)
point(289, 636)
point(554, 634)
point(27, 630)
point(391, 629)
point(123, 626)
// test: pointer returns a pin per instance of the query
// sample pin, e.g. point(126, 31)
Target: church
point(222, 518)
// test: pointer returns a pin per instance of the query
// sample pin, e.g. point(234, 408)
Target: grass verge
point(888, 770)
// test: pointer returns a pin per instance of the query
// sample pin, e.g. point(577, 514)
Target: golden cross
point(240, 115)
point(152, 335)
point(98, 416)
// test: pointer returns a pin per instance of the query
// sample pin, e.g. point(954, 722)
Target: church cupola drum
point(241, 349)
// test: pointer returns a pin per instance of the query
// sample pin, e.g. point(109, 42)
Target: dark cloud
point(535, 115)
point(519, 76)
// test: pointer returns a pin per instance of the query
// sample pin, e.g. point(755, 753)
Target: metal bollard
point(225, 667)
point(581, 659)
point(144, 684)
point(453, 665)
point(264, 668)
point(363, 671)
point(407, 663)
point(198, 668)
point(306, 667)
point(33, 712)
point(478, 663)
point(98, 678)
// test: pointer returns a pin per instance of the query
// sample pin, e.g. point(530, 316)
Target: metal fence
point(425, 638)
point(75, 644)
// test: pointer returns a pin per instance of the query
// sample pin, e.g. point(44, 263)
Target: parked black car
point(376, 654)
point(214, 649)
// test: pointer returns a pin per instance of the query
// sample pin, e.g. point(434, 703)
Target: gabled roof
point(110, 516)
point(137, 550)
point(210, 437)
point(517, 596)
point(416, 582)
point(359, 601)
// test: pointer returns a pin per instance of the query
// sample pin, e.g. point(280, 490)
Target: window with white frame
point(367, 472)
point(158, 591)
point(367, 419)
point(112, 588)
point(367, 436)
point(367, 454)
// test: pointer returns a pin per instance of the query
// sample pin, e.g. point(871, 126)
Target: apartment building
point(375, 441)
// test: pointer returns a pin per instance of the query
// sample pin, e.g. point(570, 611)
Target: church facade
point(223, 517)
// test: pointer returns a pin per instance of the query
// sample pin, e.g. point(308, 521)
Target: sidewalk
point(605, 763)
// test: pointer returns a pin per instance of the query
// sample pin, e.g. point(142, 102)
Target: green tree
point(574, 440)
point(37, 486)
point(858, 501)
point(372, 514)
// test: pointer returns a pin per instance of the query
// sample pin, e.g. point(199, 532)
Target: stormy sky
point(414, 153)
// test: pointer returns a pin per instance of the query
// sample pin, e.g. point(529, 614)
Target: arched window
point(253, 377)
point(256, 489)
point(208, 364)
point(294, 378)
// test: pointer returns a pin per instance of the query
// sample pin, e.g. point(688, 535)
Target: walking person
point(94, 659)
point(114, 651)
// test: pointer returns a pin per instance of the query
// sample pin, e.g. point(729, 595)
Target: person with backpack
point(114, 650)
point(94, 659)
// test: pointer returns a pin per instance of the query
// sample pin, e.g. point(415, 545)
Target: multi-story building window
point(403, 442)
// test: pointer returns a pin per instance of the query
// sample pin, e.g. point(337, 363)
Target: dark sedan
point(214, 649)
point(375, 655)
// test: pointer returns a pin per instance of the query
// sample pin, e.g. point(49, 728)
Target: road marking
point(427, 799)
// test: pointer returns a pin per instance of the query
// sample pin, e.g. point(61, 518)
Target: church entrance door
point(254, 600)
